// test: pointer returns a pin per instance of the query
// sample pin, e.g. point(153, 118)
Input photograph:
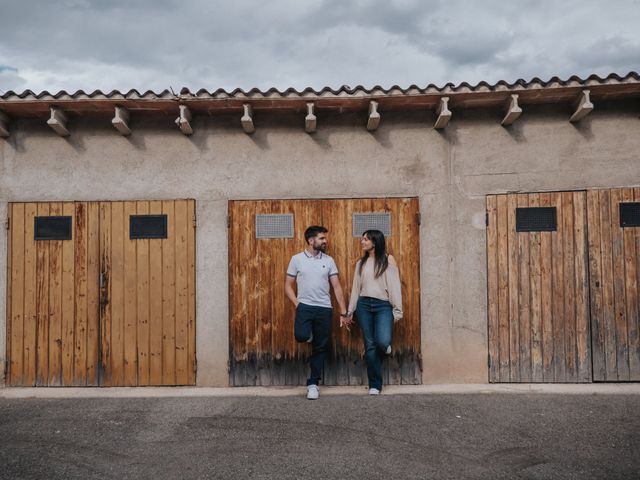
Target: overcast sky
point(156, 44)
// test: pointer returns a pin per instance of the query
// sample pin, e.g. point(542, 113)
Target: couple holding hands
point(376, 300)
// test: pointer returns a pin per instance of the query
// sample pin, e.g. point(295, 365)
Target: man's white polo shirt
point(312, 276)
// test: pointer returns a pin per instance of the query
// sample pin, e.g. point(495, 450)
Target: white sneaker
point(388, 350)
point(310, 338)
point(374, 391)
point(313, 392)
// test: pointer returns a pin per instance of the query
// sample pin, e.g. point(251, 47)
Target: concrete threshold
point(442, 389)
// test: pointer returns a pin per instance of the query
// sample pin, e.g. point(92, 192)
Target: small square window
point(536, 219)
point(630, 214)
point(147, 226)
point(52, 228)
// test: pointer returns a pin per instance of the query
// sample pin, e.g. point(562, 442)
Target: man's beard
point(322, 247)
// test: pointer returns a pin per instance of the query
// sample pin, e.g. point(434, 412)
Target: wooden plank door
point(52, 303)
point(101, 308)
point(538, 297)
point(147, 296)
point(263, 350)
point(614, 268)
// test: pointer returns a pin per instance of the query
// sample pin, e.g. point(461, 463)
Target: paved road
point(489, 436)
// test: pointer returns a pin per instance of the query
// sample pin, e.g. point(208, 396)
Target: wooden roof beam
point(58, 122)
point(121, 121)
point(247, 119)
point(374, 116)
point(4, 125)
point(310, 121)
point(443, 112)
point(184, 120)
point(513, 111)
point(583, 107)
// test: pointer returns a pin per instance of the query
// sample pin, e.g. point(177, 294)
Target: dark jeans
point(375, 318)
point(316, 321)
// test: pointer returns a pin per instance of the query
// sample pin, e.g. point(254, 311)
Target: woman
point(376, 299)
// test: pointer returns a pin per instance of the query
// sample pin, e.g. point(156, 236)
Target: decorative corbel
point(583, 107)
point(247, 119)
point(513, 111)
point(183, 121)
point(4, 125)
point(58, 122)
point(443, 112)
point(121, 121)
point(310, 121)
point(374, 117)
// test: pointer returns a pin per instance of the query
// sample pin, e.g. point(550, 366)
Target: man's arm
point(289, 291)
point(339, 294)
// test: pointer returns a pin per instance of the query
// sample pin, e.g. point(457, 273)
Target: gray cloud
point(90, 44)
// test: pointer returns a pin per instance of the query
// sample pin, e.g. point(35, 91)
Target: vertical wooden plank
point(596, 286)
point(546, 294)
point(80, 293)
point(116, 300)
point(250, 262)
point(106, 279)
point(569, 287)
point(619, 291)
point(168, 297)
point(607, 283)
point(281, 326)
point(514, 330)
point(68, 301)
point(93, 264)
point(130, 303)
point(583, 335)
point(30, 296)
point(503, 288)
point(42, 307)
point(557, 263)
point(182, 292)
point(234, 242)
point(143, 298)
point(525, 302)
point(156, 290)
point(16, 316)
point(55, 305)
point(263, 297)
point(191, 277)
point(534, 284)
point(632, 262)
point(492, 287)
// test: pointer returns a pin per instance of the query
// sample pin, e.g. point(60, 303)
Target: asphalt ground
point(443, 436)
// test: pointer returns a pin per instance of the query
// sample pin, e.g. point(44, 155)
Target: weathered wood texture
point(102, 308)
point(538, 297)
point(614, 277)
point(263, 350)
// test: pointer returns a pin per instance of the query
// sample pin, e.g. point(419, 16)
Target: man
point(314, 271)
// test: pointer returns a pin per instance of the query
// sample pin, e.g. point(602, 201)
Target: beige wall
point(449, 171)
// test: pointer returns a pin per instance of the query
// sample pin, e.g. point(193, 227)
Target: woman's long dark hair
point(379, 251)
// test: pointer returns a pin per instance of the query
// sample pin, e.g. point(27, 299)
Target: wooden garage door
point(538, 298)
point(101, 308)
point(263, 350)
point(614, 253)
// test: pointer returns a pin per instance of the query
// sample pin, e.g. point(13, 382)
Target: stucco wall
point(450, 171)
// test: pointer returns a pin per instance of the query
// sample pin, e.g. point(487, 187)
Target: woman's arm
point(394, 288)
point(355, 289)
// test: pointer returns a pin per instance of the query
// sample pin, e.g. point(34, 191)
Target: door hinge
point(7, 224)
point(195, 221)
point(228, 221)
point(195, 365)
point(486, 219)
point(419, 218)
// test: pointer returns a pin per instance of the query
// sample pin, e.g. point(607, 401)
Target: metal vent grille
point(361, 222)
point(147, 226)
point(52, 228)
point(630, 214)
point(274, 225)
point(536, 219)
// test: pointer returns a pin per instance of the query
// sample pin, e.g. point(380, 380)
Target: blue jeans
point(375, 318)
point(317, 321)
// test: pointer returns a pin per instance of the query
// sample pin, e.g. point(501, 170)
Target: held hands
point(346, 320)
